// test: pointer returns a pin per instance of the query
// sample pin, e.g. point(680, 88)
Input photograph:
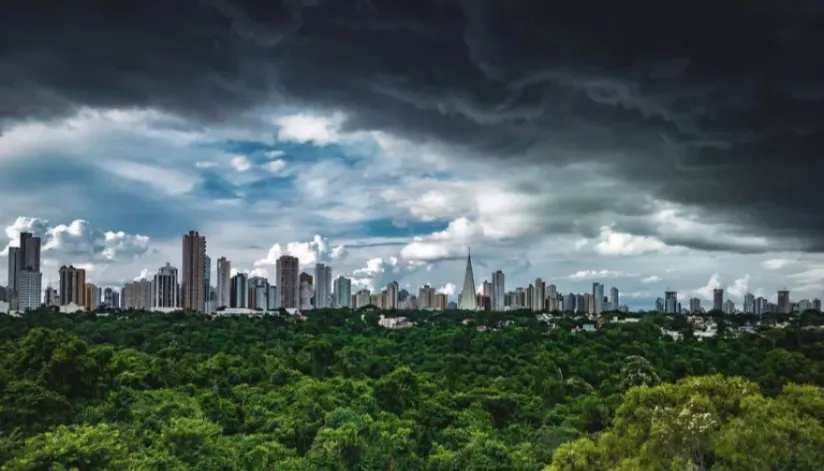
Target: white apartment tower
point(539, 295)
point(498, 291)
point(165, 291)
point(29, 285)
point(323, 285)
point(224, 282)
point(343, 292)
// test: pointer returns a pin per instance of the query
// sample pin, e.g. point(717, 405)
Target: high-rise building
point(467, 297)
point(614, 299)
point(259, 288)
point(287, 270)
point(343, 292)
point(14, 267)
point(138, 295)
point(718, 299)
point(498, 291)
point(784, 305)
point(695, 305)
point(51, 297)
point(426, 297)
point(192, 285)
point(671, 302)
point(207, 277)
point(72, 285)
point(306, 291)
point(165, 293)
point(749, 303)
point(729, 307)
point(442, 301)
point(539, 295)
point(323, 286)
point(239, 297)
point(29, 252)
point(224, 282)
point(392, 293)
point(597, 298)
point(29, 285)
point(272, 300)
point(91, 297)
point(817, 304)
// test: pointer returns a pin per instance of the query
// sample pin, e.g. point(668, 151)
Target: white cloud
point(241, 163)
point(167, 180)
point(448, 289)
point(583, 275)
point(275, 154)
point(318, 129)
point(619, 243)
point(205, 164)
point(318, 250)
point(275, 166)
point(776, 263)
point(145, 274)
point(78, 241)
point(651, 279)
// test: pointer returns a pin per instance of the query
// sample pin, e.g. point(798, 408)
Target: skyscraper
point(72, 285)
point(392, 294)
point(539, 295)
point(717, 299)
point(597, 298)
point(343, 292)
point(614, 300)
point(29, 284)
point(239, 297)
point(784, 304)
point(467, 299)
point(14, 267)
point(224, 282)
point(498, 291)
point(671, 302)
point(165, 292)
point(323, 285)
point(193, 294)
point(29, 252)
point(287, 270)
point(207, 276)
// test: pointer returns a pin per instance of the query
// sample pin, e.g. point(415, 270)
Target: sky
point(571, 142)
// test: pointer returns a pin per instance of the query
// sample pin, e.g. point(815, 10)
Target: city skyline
point(544, 293)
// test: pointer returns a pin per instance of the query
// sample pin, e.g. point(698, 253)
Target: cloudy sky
point(575, 143)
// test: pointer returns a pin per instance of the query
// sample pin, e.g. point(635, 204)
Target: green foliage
point(140, 391)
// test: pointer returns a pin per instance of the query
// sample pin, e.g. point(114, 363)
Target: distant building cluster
point(192, 289)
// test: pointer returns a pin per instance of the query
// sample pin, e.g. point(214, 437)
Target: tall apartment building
point(597, 306)
point(239, 297)
point(138, 295)
point(272, 299)
point(72, 285)
point(51, 297)
point(718, 299)
point(224, 282)
point(323, 286)
point(749, 303)
point(192, 286)
point(29, 252)
point(14, 268)
point(784, 304)
point(287, 270)
point(165, 294)
point(538, 295)
point(343, 292)
point(671, 302)
point(392, 295)
point(426, 297)
point(614, 299)
point(259, 288)
point(498, 291)
point(29, 286)
point(92, 298)
point(695, 305)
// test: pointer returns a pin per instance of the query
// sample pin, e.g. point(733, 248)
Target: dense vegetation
point(335, 392)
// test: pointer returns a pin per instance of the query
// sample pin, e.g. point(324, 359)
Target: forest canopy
point(335, 391)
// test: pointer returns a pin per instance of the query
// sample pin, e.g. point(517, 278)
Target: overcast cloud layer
point(602, 130)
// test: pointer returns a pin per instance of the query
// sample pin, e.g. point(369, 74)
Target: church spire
point(468, 301)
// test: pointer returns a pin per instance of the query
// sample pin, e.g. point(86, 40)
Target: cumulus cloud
point(78, 241)
point(650, 279)
point(737, 289)
point(448, 289)
point(620, 243)
point(379, 272)
point(318, 250)
point(275, 166)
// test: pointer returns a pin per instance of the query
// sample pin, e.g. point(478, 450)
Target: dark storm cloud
point(718, 105)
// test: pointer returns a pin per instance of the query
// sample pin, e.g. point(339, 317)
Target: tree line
point(144, 391)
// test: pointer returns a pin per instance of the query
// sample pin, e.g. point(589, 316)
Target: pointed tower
point(468, 301)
